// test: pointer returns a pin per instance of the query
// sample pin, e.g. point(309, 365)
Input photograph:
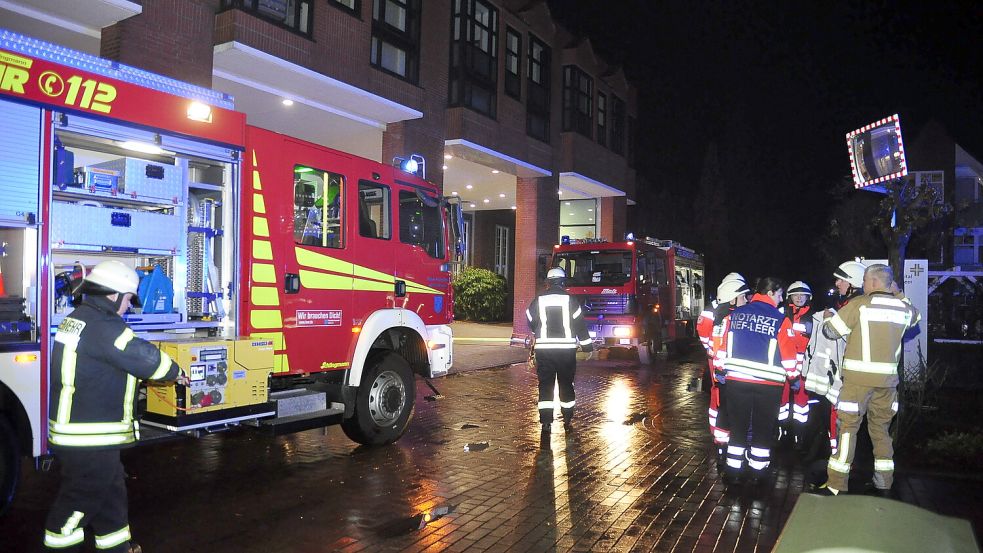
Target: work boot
point(822, 490)
point(568, 426)
point(134, 548)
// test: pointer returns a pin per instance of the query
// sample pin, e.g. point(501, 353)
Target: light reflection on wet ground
point(636, 473)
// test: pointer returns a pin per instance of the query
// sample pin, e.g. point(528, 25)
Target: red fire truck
point(636, 293)
point(298, 285)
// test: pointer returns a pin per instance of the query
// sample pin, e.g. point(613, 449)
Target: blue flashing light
point(410, 166)
point(565, 240)
point(54, 53)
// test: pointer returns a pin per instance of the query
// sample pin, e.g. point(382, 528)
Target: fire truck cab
point(287, 279)
point(636, 293)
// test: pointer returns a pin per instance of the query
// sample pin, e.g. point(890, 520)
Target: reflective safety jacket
point(824, 357)
point(558, 322)
point(96, 362)
point(704, 327)
point(875, 324)
point(802, 326)
point(760, 346)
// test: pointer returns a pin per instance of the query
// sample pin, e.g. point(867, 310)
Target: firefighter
point(704, 323)
point(557, 321)
point(874, 324)
point(849, 282)
point(759, 346)
point(730, 295)
point(96, 364)
point(795, 403)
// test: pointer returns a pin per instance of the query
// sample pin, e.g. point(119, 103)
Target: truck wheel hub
point(386, 398)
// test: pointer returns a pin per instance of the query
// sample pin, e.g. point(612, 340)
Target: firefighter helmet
point(734, 276)
point(852, 272)
point(556, 273)
point(798, 287)
point(730, 290)
point(110, 277)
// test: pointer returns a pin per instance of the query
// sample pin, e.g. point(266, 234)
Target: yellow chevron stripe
point(264, 273)
point(321, 281)
point(278, 342)
point(257, 184)
point(264, 295)
point(265, 319)
point(259, 204)
point(372, 285)
point(316, 260)
point(254, 157)
point(365, 272)
point(260, 227)
point(262, 250)
point(280, 363)
point(414, 287)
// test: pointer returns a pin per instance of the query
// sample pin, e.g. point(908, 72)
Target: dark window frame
point(252, 8)
point(322, 213)
point(618, 121)
point(408, 41)
point(602, 111)
point(388, 207)
point(513, 81)
point(356, 10)
point(414, 195)
point(473, 70)
point(538, 91)
point(578, 101)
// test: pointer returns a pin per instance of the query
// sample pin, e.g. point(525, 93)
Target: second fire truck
point(636, 293)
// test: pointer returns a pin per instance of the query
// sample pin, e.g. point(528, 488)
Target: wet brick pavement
point(637, 475)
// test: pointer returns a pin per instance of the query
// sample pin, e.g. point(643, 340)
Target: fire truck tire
point(384, 402)
point(9, 464)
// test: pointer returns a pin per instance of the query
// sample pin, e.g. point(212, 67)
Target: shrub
point(957, 449)
point(479, 295)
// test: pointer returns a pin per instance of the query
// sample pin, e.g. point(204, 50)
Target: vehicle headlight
point(622, 331)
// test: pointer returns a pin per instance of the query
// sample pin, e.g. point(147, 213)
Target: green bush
point(956, 449)
point(479, 295)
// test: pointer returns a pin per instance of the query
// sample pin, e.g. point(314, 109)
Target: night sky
point(775, 88)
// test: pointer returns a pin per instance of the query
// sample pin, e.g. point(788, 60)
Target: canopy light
point(142, 147)
point(287, 102)
point(200, 111)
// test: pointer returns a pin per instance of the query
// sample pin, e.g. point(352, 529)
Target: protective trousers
point(92, 493)
point(880, 405)
point(719, 424)
point(556, 366)
point(751, 407)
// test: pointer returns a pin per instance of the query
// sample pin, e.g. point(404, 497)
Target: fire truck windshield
point(595, 268)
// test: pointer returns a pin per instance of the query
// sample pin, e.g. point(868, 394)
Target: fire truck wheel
point(384, 402)
point(9, 464)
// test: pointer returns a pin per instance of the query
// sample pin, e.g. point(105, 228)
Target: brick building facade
point(515, 115)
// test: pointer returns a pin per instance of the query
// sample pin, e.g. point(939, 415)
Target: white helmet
point(798, 287)
point(734, 276)
point(114, 275)
point(730, 289)
point(556, 273)
point(852, 272)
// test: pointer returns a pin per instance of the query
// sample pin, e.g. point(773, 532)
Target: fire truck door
point(318, 300)
point(422, 227)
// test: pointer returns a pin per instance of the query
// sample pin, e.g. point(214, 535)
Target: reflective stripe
point(576, 313)
point(89, 428)
point(567, 404)
point(586, 342)
point(72, 523)
point(839, 466)
point(89, 441)
point(261, 227)
point(262, 249)
point(757, 465)
point(529, 315)
point(883, 465)
point(760, 452)
point(735, 463)
point(68, 361)
point(894, 406)
point(735, 450)
point(264, 273)
point(162, 367)
point(838, 325)
point(848, 407)
point(798, 327)
point(59, 541)
point(112, 540)
point(123, 339)
point(556, 300)
point(545, 404)
point(259, 205)
point(567, 345)
point(754, 369)
point(873, 367)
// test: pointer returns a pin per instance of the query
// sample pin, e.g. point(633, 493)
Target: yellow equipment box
point(229, 383)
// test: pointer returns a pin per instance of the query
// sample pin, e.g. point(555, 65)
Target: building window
point(513, 63)
point(474, 56)
point(374, 211)
point(538, 90)
point(617, 125)
point(502, 250)
point(352, 6)
point(578, 105)
point(318, 207)
point(578, 218)
point(420, 224)
point(396, 38)
point(602, 113)
point(293, 14)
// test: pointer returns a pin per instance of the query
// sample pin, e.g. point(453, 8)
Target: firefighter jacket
point(704, 328)
point(874, 324)
point(760, 346)
point(717, 347)
point(96, 362)
point(824, 357)
point(802, 326)
point(558, 322)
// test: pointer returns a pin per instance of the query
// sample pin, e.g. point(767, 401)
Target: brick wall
point(170, 37)
point(536, 221)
